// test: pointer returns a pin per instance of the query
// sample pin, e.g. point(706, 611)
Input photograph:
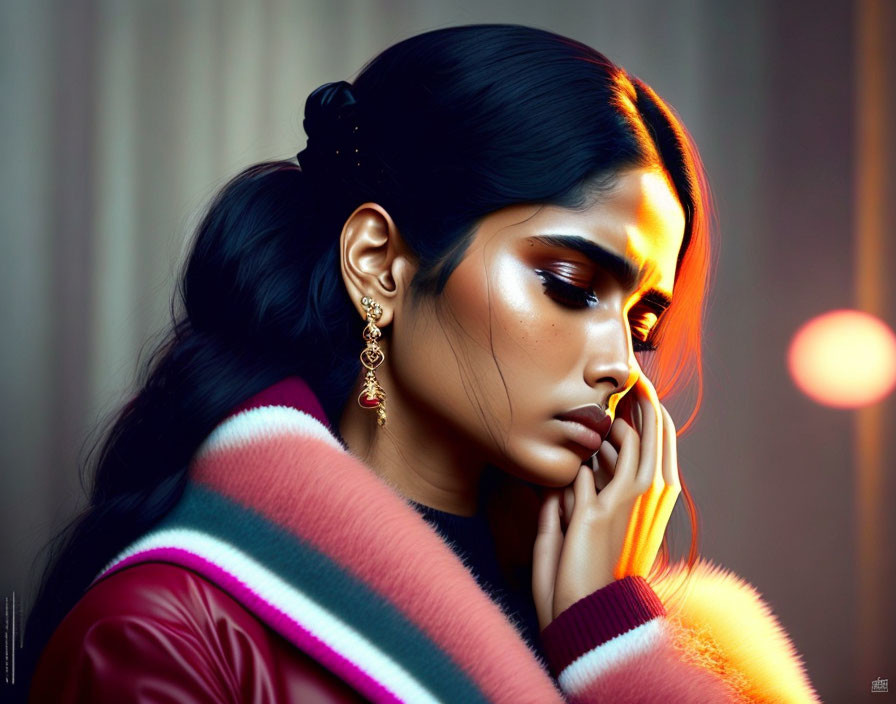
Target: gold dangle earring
point(372, 356)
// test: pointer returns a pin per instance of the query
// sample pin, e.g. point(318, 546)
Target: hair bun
point(327, 107)
point(331, 124)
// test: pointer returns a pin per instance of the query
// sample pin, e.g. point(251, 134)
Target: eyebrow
point(619, 267)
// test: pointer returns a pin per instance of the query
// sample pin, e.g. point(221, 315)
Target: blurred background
point(121, 118)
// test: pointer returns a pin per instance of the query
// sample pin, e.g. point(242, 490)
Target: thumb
point(546, 556)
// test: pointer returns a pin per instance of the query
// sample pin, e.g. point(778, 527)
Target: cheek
point(420, 358)
point(443, 360)
point(506, 316)
point(447, 368)
point(534, 338)
point(540, 345)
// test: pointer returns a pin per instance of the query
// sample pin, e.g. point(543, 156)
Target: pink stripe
point(656, 676)
point(267, 613)
point(304, 485)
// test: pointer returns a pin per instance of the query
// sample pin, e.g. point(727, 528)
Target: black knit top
point(471, 539)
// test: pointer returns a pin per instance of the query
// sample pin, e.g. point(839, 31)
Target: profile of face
point(542, 316)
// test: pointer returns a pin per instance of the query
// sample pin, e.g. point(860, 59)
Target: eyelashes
point(563, 291)
point(571, 296)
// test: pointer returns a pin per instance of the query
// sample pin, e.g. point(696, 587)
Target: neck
point(420, 456)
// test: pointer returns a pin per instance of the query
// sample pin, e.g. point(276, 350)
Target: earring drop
point(373, 396)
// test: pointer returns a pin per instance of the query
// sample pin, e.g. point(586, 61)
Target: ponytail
point(260, 298)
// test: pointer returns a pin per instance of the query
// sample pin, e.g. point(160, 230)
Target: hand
point(605, 534)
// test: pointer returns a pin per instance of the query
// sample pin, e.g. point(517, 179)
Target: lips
point(592, 425)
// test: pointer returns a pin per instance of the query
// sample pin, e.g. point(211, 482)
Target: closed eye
point(576, 297)
point(565, 292)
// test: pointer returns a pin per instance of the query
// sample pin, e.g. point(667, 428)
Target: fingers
point(622, 440)
point(665, 500)
point(567, 505)
point(605, 465)
point(650, 469)
point(583, 486)
point(643, 480)
point(648, 482)
point(670, 451)
point(617, 497)
point(546, 556)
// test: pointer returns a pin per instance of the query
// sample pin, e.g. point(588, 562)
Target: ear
point(374, 259)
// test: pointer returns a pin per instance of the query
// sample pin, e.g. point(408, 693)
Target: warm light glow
point(845, 359)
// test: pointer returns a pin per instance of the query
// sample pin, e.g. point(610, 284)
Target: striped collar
point(302, 533)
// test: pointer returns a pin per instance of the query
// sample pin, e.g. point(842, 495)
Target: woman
point(512, 232)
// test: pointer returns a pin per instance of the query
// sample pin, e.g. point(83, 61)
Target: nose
point(610, 364)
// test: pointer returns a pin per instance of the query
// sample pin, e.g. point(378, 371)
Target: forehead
point(639, 219)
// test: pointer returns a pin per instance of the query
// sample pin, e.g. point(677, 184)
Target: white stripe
point(262, 423)
point(596, 662)
point(327, 626)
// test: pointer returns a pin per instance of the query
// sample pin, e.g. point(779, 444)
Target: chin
point(551, 465)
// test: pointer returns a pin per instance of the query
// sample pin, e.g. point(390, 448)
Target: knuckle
point(643, 485)
point(597, 512)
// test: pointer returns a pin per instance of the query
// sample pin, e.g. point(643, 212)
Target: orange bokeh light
point(844, 358)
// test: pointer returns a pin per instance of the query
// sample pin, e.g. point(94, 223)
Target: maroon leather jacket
point(159, 632)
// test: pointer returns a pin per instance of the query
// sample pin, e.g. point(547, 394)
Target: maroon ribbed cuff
point(604, 614)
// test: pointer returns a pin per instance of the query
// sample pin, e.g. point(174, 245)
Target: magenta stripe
point(290, 391)
point(267, 613)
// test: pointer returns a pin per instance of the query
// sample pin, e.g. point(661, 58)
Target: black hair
point(457, 123)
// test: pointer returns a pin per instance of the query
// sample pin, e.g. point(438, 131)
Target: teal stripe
point(318, 577)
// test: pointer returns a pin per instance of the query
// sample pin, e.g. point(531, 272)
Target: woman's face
point(541, 317)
